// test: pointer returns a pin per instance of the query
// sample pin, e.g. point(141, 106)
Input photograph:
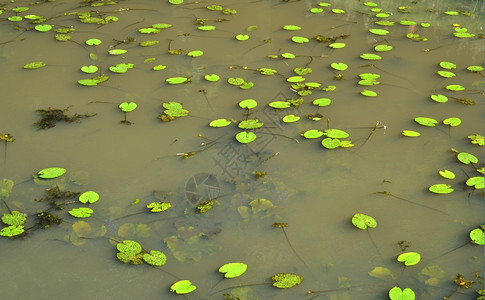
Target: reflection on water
point(315, 190)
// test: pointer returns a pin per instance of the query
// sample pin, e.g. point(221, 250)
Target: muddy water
point(315, 190)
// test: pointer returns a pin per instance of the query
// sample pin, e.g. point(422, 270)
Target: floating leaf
point(316, 10)
point(195, 53)
point(129, 247)
point(267, 71)
point(439, 98)
point(475, 69)
point(300, 39)
point(291, 27)
point(49, 173)
point(175, 2)
point(207, 27)
point(279, 104)
point(337, 45)
point(407, 23)
point(467, 158)
point(148, 30)
point(155, 258)
point(176, 80)
point(43, 27)
point(409, 258)
point(322, 102)
point(370, 56)
point(368, 93)
point(290, 118)
point(382, 48)
point(159, 67)
point(339, 66)
point(447, 65)
point(302, 71)
point(248, 103)
point(338, 11)
point(363, 221)
point(127, 107)
point(378, 31)
point(121, 68)
point(295, 79)
point(81, 212)
point(219, 123)
point(149, 43)
point(12, 231)
point(159, 206)
point(410, 133)
point(426, 121)
point(89, 69)
point(15, 18)
point(250, 124)
point(452, 121)
point(336, 133)
point(245, 137)
point(246, 85)
point(93, 42)
point(232, 270)
point(446, 74)
point(235, 80)
point(286, 280)
point(397, 294)
point(242, 37)
point(477, 236)
point(478, 182)
point(288, 55)
point(441, 188)
point(15, 218)
point(477, 139)
point(330, 143)
point(161, 25)
point(117, 51)
point(455, 87)
point(88, 82)
point(89, 196)
point(312, 134)
point(34, 65)
point(447, 174)
point(182, 287)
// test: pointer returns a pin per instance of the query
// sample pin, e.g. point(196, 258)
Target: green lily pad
point(410, 133)
point(452, 121)
point(338, 11)
point(245, 137)
point(336, 133)
point(93, 42)
point(212, 77)
point(248, 103)
point(295, 79)
point(89, 196)
point(129, 247)
point(477, 236)
point(339, 66)
point(195, 53)
point(34, 65)
point(446, 74)
point(290, 118)
point(15, 18)
point(88, 82)
point(382, 48)
point(378, 31)
point(81, 212)
point(363, 221)
point(426, 121)
point(176, 80)
point(322, 102)
point(149, 43)
point(441, 188)
point(232, 270)
point(175, 2)
point(159, 67)
point(447, 174)
point(312, 134)
point(267, 71)
point(250, 124)
point(455, 87)
point(409, 258)
point(89, 69)
point(302, 71)
point(219, 123)
point(439, 98)
point(246, 85)
point(288, 55)
point(127, 107)
point(300, 39)
point(316, 10)
point(337, 45)
point(475, 69)
point(158, 206)
point(162, 26)
point(370, 56)
point(467, 158)
point(279, 104)
point(11, 231)
point(43, 27)
point(15, 218)
point(291, 27)
point(235, 80)
point(207, 27)
point(155, 258)
point(368, 93)
point(286, 280)
point(330, 143)
point(49, 173)
point(148, 30)
point(242, 37)
point(397, 294)
point(478, 182)
point(182, 287)
point(447, 65)
point(369, 76)
point(477, 139)
point(117, 51)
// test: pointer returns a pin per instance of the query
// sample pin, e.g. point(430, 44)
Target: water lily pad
point(300, 39)
point(382, 48)
point(312, 134)
point(15, 218)
point(455, 87)
point(426, 121)
point(182, 287)
point(322, 102)
point(339, 66)
point(410, 133)
point(89, 196)
point(336, 133)
point(149, 43)
point(11, 231)
point(176, 80)
point(117, 51)
point(232, 270)
point(248, 103)
point(452, 121)
point(43, 27)
point(121, 68)
point(338, 11)
point(368, 93)
point(439, 98)
point(363, 221)
point(267, 71)
point(291, 27)
point(477, 236)
point(337, 45)
point(207, 27)
point(447, 174)
point(286, 280)
point(242, 37)
point(477, 139)
point(93, 42)
point(159, 67)
point(235, 80)
point(158, 206)
point(89, 69)
point(127, 107)
point(288, 55)
point(155, 258)
point(475, 69)
point(290, 118)
point(81, 212)
point(467, 158)
point(295, 79)
point(219, 123)
point(478, 182)
point(316, 10)
point(409, 258)
point(34, 65)
point(129, 247)
point(446, 74)
point(370, 56)
point(447, 65)
point(377, 31)
point(250, 124)
point(195, 53)
point(49, 173)
point(245, 137)
point(330, 143)
point(441, 188)
point(279, 104)
point(397, 294)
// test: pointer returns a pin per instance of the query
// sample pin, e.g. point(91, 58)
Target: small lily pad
point(248, 103)
point(441, 188)
point(245, 137)
point(368, 93)
point(291, 27)
point(117, 51)
point(232, 270)
point(439, 98)
point(478, 182)
point(426, 121)
point(409, 258)
point(382, 48)
point(447, 65)
point(447, 174)
point(446, 74)
point(378, 31)
point(312, 134)
point(34, 65)
point(467, 158)
point(452, 121)
point(330, 143)
point(242, 37)
point(339, 66)
point(207, 27)
point(81, 212)
point(279, 104)
point(410, 133)
point(212, 77)
point(195, 53)
point(15, 218)
point(129, 247)
point(127, 107)
point(158, 206)
point(396, 293)
point(176, 80)
point(322, 102)
point(182, 287)
point(286, 280)
point(300, 39)
point(89, 69)
point(477, 236)
point(11, 231)
point(455, 87)
point(363, 221)
point(49, 173)
point(336, 133)
point(290, 118)
point(89, 196)
point(337, 45)
point(370, 56)
point(219, 123)
point(155, 258)
point(250, 124)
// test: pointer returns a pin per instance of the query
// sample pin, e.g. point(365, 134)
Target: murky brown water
point(315, 190)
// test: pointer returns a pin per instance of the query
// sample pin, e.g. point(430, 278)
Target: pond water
point(315, 190)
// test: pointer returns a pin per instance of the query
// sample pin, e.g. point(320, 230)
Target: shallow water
point(315, 190)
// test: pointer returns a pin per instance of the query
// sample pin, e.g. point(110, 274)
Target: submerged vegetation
point(223, 82)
